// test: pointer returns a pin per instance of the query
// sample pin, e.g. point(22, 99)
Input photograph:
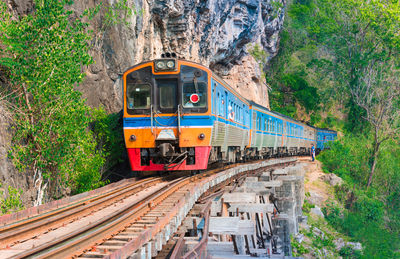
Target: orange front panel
point(189, 137)
point(144, 138)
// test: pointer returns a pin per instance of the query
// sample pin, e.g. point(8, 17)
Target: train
point(179, 115)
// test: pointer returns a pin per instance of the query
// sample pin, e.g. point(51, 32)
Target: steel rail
point(200, 249)
point(76, 242)
point(24, 229)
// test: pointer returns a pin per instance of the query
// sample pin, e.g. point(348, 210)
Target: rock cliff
point(216, 33)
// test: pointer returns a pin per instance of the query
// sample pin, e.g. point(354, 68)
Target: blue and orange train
point(179, 115)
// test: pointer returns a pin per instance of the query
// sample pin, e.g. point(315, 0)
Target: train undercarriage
point(168, 156)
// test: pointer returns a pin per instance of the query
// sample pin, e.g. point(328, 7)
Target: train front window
point(194, 94)
point(138, 96)
point(167, 93)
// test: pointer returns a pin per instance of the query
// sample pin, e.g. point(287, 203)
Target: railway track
point(139, 217)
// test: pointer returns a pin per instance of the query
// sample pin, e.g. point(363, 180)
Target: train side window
point(218, 106)
point(239, 114)
point(236, 112)
point(138, 96)
point(255, 118)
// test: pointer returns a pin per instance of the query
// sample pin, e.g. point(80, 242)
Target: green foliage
point(333, 213)
point(364, 219)
point(346, 158)
point(107, 129)
point(260, 56)
point(332, 45)
point(57, 136)
point(118, 14)
point(291, 73)
point(307, 206)
point(349, 253)
point(298, 248)
point(370, 208)
point(11, 202)
point(318, 239)
point(44, 56)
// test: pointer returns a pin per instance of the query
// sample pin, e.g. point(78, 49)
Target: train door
point(253, 129)
point(214, 109)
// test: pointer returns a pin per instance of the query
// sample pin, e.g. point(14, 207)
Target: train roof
point(228, 86)
point(326, 129)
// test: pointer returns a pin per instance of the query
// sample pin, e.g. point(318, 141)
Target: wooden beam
point(239, 197)
point(231, 226)
point(251, 208)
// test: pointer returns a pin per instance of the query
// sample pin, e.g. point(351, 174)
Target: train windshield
point(138, 96)
point(167, 93)
point(194, 89)
point(194, 94)
point(138, 91)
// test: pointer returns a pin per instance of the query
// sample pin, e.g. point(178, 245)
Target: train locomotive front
point(167, 122)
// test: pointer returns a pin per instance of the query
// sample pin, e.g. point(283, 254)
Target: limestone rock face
point(9, 175)
point(216, 33)
point(332, 179)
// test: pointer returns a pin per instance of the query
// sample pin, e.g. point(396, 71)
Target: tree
point(363, 39)
point(43, 57)
point(378, 93)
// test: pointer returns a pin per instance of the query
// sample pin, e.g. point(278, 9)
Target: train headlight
point(132, 138)
point(165, 65)
point(202, 136)
point(170, 64)
point(160, 65)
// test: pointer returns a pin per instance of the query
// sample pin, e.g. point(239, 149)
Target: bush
point(298, 248)
point(346, 158)
point(349, 252)
point(370, 209)
point(107, 129)
point(11, 202)
point(307, 206)
point(333, 214)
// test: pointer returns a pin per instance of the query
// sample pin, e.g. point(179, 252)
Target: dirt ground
point(313, 182)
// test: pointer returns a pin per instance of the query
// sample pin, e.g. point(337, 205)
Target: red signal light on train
point(194, 98)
